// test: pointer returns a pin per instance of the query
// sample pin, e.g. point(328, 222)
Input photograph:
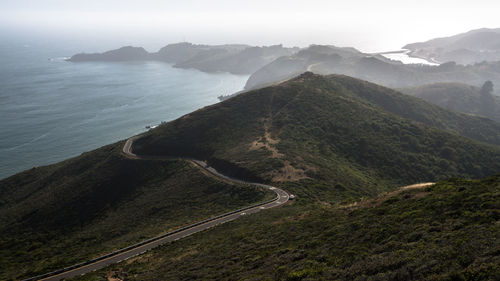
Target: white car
point(292, 196)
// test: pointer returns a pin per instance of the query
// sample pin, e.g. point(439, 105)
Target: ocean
point(51, 109)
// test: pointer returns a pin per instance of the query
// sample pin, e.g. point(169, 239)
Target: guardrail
point(75, 266)
point(197, 162)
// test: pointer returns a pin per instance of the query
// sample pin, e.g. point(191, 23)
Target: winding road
point(78, 269)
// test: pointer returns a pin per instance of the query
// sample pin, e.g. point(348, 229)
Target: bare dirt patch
point(267, 142)
point(291, 218)
point(288, 173)
point(187, 253)
point(114, 276)
point(260, 144)
point(384, 196)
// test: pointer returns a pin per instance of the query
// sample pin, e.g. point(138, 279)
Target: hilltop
point(331, 137)
point(466, 48)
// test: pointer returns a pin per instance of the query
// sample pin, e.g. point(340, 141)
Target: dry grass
point(187, 253)
point(267, 142)
point(113, 276)
point(292, 218)
point(288, 172)
point(373, 202)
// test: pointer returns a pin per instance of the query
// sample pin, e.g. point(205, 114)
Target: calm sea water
point(51, 109)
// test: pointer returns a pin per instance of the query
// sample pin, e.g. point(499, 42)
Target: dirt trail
point(288, 172)
point(310, 67)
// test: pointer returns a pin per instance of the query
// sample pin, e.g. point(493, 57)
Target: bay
point(51, 109)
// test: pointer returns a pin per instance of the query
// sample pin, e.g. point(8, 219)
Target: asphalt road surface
point(133, 250)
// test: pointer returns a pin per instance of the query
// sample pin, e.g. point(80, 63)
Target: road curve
point(133, 250)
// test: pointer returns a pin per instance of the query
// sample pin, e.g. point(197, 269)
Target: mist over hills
point(466, 48)
point(236, 59)
point(269, 65)
point(460, 98)
point(371, 67)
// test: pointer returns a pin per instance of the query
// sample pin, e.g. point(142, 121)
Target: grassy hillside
point(458, 97)
point(328, 139)
point(331, 138)
point(55, 216)
point(476, 128)
point(449, 231)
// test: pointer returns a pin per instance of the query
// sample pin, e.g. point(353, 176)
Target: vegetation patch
point(55, 216)
point(452, 233)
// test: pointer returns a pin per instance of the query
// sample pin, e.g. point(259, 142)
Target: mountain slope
point(458, 97)
point(63, 214)
point(449, 231)
point(477, 128)
point(330, 138)
point(466, 48)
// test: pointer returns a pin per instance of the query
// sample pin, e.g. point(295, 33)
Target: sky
point(370, 26)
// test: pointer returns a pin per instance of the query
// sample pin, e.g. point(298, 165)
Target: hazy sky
point(368, 25)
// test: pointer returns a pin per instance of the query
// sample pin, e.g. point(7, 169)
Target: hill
point(371, 67)
point(63, 214)
point(465, 48)
point(458, 97)
point(449, 231)
point(330, 138)
point(127, 53)
point(237, 59)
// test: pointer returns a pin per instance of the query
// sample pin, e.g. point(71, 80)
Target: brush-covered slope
point(459, 97)
point(477, 128)
point(59, 215)
point(331, 137)
point(449, 231)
